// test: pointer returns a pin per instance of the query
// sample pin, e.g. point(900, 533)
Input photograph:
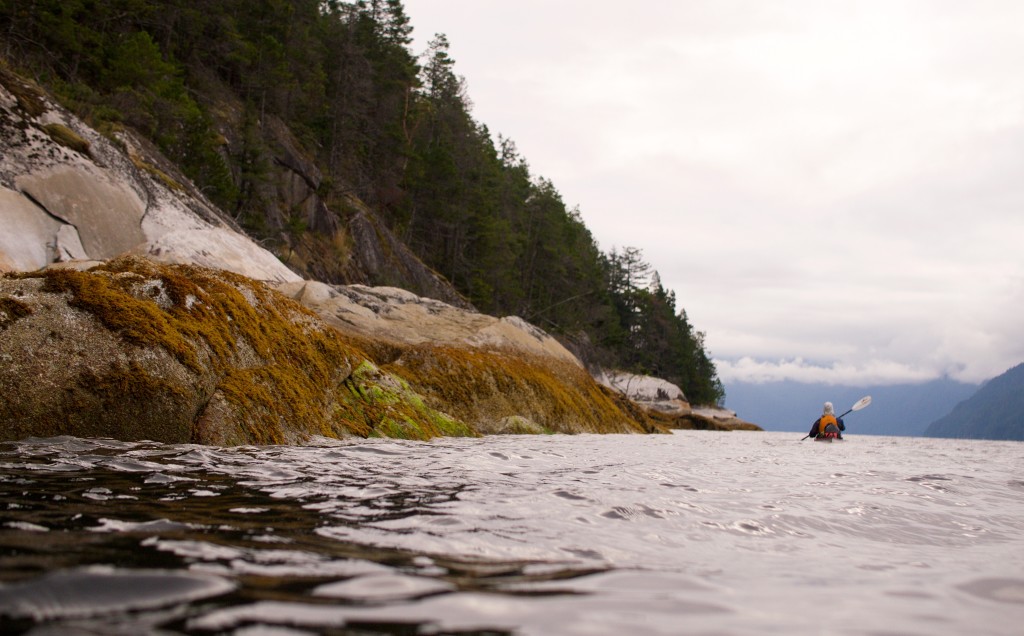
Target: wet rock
point(499, 375)
point(704, 419)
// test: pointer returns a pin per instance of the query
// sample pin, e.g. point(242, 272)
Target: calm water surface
point(693, 533)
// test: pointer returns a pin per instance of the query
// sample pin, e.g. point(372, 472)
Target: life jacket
point(826, 421)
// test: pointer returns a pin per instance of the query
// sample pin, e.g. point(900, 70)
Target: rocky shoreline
point(133, 349)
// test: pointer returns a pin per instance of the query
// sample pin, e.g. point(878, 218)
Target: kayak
point(828, 440)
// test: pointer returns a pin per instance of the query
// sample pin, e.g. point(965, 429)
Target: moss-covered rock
point(133, 350)
point(484, 387)
point(136, 350)
point(67, 137)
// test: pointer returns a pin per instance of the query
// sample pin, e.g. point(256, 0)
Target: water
point(694, 533)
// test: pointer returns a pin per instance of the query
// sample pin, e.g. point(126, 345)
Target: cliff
point(69, 193)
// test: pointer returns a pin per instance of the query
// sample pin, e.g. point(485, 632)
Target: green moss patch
point(67, 138)
point(390, 408)
point(157, 173)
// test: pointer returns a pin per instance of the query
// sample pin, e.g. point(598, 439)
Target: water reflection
point(112, 537)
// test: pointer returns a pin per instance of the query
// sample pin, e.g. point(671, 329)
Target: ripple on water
point(1002, 590)
point(539, 535)
point(102, 590)
point(383, 587)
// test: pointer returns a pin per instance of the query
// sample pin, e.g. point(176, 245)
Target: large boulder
point(501, 375)
point(134, 349)
point(666, 404)
point(401, 316)
point(650, 392)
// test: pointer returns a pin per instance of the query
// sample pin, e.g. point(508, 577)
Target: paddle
point(861, 403)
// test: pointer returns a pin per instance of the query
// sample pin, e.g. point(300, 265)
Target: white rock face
point(716, 412)
point(642, 388)
point(396, 314)
point(648, 391)
point(107, 214)
point(217, 248)
point(27, 234)
point(59, 205)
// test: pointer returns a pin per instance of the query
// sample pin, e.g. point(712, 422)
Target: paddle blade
point(861, 403)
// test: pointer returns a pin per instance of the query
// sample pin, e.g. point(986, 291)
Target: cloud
point(799, 370)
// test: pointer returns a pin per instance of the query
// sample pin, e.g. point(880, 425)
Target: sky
point(833, 189)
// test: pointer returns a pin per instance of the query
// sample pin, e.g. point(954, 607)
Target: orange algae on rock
point(487, 387)
point(137, 350)
point(189, 355)
point(11, 309)
point(110, 301)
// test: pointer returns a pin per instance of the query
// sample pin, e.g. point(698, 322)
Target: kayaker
point(828, 425)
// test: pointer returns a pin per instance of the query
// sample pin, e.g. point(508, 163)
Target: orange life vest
point(825, 421)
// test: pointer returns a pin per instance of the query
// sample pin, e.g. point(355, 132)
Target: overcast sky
point(834, 190)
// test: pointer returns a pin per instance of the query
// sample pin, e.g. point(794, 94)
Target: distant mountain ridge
point(995, 411)
point(900, 409)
